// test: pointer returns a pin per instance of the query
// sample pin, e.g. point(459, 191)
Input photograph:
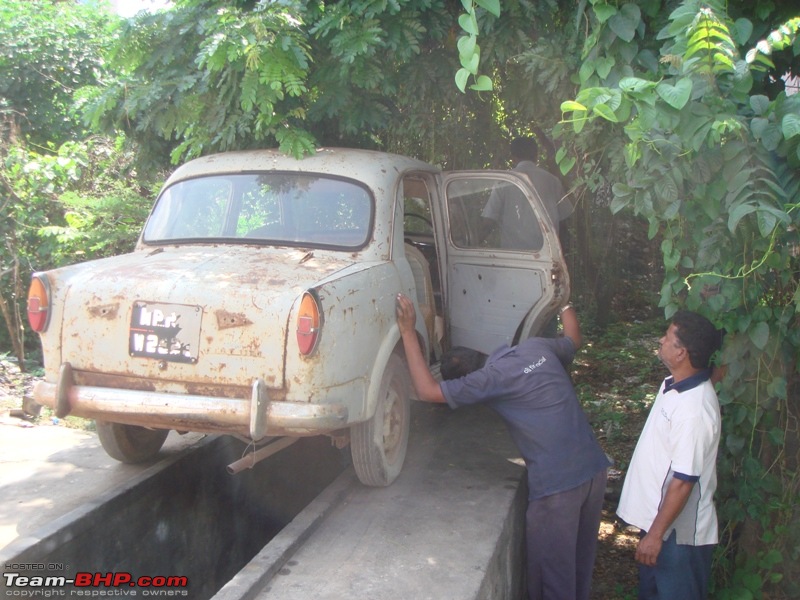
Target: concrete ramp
point(450, 527)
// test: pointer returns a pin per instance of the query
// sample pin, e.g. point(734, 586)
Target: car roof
point(376, 169)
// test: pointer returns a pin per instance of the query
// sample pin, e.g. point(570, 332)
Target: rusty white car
point(259, 301)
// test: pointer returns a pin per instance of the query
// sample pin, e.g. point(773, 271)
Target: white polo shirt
point(679, 439)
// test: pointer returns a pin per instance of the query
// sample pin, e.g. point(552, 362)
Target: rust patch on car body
point(113, 381)
point(106, 311)
point(228, 320)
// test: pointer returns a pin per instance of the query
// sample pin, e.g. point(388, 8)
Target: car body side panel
point(355, 320)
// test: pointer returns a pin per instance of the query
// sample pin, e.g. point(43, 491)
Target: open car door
point(505, 275)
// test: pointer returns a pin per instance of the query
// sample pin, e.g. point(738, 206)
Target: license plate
point(165, 331)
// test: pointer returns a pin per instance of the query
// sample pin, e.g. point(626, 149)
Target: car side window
point(491, 213)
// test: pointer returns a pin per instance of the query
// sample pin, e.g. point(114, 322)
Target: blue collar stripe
point(686, 384)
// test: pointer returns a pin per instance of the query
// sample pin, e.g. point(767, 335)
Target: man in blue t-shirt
point(529, 387)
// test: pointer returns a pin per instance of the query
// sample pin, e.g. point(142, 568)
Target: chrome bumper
point(256, 417)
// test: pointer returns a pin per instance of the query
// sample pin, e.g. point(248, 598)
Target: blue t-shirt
point(528, 386)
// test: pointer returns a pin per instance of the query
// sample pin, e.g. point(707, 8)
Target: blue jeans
point(680, 572)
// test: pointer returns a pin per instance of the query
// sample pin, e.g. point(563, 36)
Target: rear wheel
point(130, 443)
point(378, 446)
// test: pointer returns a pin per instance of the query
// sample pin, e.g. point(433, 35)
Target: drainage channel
point(184, 521)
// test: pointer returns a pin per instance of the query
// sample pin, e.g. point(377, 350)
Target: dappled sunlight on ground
point(617, 374)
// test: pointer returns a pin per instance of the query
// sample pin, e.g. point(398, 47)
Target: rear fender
point(391, 344)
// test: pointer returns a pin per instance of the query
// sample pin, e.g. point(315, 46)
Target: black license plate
point(165, 331)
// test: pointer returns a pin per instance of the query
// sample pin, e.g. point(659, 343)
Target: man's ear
point(682, 354)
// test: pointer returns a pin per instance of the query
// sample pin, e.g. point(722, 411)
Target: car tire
point(130, 443)
point(378, 446)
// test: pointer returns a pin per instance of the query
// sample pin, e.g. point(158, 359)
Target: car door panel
point(499, 276)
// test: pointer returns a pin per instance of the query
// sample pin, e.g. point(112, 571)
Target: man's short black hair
point(525, 148)
point(460, 361)
point(699, 336)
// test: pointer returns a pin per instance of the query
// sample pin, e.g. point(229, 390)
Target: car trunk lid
point(190, 318)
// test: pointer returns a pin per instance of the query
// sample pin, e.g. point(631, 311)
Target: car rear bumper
point(255, 417)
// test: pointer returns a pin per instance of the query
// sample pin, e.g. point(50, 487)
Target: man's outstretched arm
point(426, 386)
point(572, 328)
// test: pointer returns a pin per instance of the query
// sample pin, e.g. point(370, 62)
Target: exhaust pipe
point(248, 461)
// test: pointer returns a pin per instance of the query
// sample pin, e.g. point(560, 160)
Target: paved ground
point(447, 529)
point(48, 470)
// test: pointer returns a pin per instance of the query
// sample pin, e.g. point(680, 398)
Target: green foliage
point(48, 50)
point(469, 52)
point(710, 160)
point(213, 76)
point(207, 78)
point(78, 203)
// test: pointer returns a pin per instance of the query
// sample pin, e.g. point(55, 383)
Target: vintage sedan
point(259, 301)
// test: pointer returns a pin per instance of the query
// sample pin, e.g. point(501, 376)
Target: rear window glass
point(275, 208)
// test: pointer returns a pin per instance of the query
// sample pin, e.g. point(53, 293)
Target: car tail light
point(309, 323)
point(39, 303)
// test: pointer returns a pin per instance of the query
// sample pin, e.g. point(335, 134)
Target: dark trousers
point(680, 572)
point(562, 541)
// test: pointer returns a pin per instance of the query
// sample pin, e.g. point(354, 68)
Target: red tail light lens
point(39, 303)
point(309, 323)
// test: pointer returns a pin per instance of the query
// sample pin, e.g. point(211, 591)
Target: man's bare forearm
point(572, 328)
point(427, 388)
point(674, 500)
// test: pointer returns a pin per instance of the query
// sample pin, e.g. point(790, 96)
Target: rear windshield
point(276, 208)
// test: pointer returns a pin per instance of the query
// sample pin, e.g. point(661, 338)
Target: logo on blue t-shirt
point(532, 367)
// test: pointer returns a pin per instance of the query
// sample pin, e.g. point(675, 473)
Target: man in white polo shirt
point(669, 488)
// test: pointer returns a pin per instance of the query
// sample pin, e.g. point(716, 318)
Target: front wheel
point(130, 443)
point(378, 446)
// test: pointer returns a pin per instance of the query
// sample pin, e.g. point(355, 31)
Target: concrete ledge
point(266, 564)
point(184, 516)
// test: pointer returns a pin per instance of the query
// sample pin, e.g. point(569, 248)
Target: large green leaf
point(759, 335)
point(468, 23)
point(604, 65)
point(768, 218)
point(586, 71)
point(758, 125)
point(635, 85)
point(742, 30)
point(771, 137)
point(466, 44)
point(571, 105)
point(675, 95)
point(471, 61)
point(604, 11)
point(738, 213)
point(606, 112)
point(482, 84)
point(626, 21)
point(493, 6)
point(666, 189)
point(790, 124)
point(462, 77)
